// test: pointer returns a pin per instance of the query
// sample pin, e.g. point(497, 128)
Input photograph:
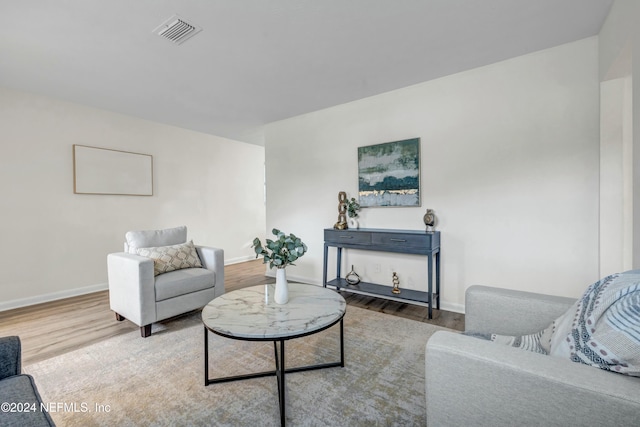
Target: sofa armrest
point(132, 291)
point(508, 312)
point(213, 259)
point(10, 356)
point(470, 381)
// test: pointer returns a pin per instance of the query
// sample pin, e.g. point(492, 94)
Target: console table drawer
point(402, 240)
point(347, 237)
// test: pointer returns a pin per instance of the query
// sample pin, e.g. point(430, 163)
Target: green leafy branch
point(352, 208)
point(282, 251)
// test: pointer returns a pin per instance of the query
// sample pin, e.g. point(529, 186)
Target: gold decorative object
point(342, 212)
point(396, 283)
point(352, 278)
point(430, 220)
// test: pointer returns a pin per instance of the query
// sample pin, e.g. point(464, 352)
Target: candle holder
point(352, 278)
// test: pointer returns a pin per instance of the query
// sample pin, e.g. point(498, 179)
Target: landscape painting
point(389, 174)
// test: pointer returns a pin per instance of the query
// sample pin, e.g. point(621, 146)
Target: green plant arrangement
point(352, 208)
point(282, 251)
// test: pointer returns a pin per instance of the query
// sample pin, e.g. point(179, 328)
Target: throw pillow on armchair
point(602, 328)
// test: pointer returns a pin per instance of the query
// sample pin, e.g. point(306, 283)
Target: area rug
point(159, 381)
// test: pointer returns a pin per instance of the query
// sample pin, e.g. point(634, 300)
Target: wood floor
point(53, 328)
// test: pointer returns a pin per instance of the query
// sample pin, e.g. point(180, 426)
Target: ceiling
point(259, 61)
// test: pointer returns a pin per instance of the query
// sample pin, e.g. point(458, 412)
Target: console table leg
point(438, 280)
point(430, 284)
point(324, 263)
point(339, 265)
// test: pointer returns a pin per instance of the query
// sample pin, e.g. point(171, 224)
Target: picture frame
point(111, 172)
point(389, 174)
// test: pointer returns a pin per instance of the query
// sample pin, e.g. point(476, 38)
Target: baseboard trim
point(294, 278)
point(238, 260)
point(453, 307)
point(53, 296)
point(39, 299)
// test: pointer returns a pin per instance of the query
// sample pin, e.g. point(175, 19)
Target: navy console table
point(383, 240)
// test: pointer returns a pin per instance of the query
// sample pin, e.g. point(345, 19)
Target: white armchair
point(136, 293)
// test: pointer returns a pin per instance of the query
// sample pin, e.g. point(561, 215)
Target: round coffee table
point(251, 314)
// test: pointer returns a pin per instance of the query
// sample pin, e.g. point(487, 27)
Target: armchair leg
point(145, 331)
point(119, 317)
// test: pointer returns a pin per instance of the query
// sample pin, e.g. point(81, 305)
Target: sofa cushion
point(183, 282)
point(21, 390)
point(170, 258)
point(155, 238)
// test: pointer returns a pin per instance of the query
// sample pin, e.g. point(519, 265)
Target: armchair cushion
point(155, 238)
point(170, 258)
point(182, 282)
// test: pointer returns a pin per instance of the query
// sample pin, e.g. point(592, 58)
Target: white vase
point(281, 295)
point(353, 223)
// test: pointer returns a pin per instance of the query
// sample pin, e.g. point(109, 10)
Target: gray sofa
point(21, 402)
point(138, 295)
point(470, 381)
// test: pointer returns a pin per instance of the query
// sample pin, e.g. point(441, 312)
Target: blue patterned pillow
point(602, 328)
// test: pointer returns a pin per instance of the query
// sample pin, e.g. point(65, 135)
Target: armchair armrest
point(213, 259)
point(10, 356)
point(470, 381)
point(132, 287)
point(509, 312)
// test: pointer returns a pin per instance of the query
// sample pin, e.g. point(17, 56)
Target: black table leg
point(206, 356)
point(279, 372)
point(342, 342)
point(281, 384)
point(275, 352)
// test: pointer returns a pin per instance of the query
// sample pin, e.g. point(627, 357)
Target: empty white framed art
point(111, 172)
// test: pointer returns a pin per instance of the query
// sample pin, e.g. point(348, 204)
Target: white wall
point(619, 65)
point(509, 163)
point(616, 176)
point(55, 243)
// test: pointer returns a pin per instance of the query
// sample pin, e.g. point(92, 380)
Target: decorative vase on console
point(280, 253)
point(430, 220)
point(352, 212)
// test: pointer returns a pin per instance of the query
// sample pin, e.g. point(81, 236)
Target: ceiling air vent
point(177, 30)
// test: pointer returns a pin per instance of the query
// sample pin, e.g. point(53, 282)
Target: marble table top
point(250, 313)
